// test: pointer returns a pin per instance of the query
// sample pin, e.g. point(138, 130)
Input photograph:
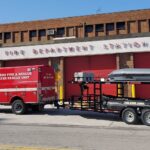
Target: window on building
point(88, 28)
point(99, 27)
point(22, 36)
point(0, 36)
point(33, 33)
point(7, 35)
point(42, 33)
point(70, 31)
point(60, 31)
point(110, 26)
point(121, 25)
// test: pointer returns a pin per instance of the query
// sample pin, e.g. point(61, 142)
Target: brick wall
point(100, 25)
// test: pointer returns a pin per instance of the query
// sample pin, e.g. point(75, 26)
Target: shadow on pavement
point(6, 111)
point(85, 114)
point(69, 112)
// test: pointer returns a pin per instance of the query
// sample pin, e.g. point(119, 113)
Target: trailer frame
point(130, 109)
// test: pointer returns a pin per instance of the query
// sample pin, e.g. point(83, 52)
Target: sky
point(27, 10)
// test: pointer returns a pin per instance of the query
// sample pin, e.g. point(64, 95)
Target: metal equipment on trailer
point(130, 109)
point(130, 74)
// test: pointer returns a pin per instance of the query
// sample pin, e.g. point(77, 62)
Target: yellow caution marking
point(119, 90)
point(10, 147)
point(61, 92)
point(133, 90)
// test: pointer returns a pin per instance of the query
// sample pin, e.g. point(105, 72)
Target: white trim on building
point(140, 44)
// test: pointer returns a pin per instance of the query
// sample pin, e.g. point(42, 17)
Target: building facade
point(98, 43)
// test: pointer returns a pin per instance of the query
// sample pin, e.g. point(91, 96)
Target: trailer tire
point(18, 107)
point(145, 117)
point(129, 116)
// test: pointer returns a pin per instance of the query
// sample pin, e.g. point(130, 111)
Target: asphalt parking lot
point(64, 117)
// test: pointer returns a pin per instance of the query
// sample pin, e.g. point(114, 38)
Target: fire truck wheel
point(18, 107)
point(129, 116)
point(145, 117)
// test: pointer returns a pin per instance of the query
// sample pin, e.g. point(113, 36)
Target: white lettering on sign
point(15, 76)
point(141, 44)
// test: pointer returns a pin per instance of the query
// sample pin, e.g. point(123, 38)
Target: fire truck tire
point(18, 107)
point(129, 116)
point(145, 117)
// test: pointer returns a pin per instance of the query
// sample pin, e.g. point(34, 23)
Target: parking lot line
point(10, 147)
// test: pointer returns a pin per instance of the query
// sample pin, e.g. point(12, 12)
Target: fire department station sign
point(77, 49)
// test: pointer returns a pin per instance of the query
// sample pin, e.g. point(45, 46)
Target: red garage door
point(100, 65)
point(26, 62)
point(142, 60)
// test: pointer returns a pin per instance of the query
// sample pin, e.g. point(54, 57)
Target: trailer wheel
point(129, 116)
point(145, 117)
point(18, 107)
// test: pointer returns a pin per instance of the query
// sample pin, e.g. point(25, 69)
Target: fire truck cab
point(27, 86)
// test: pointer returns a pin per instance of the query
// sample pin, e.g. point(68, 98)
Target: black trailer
point(129, 109)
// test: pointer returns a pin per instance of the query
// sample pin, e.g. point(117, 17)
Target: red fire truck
point(27, 86)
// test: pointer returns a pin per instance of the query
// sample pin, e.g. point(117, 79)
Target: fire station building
point(99, 43)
